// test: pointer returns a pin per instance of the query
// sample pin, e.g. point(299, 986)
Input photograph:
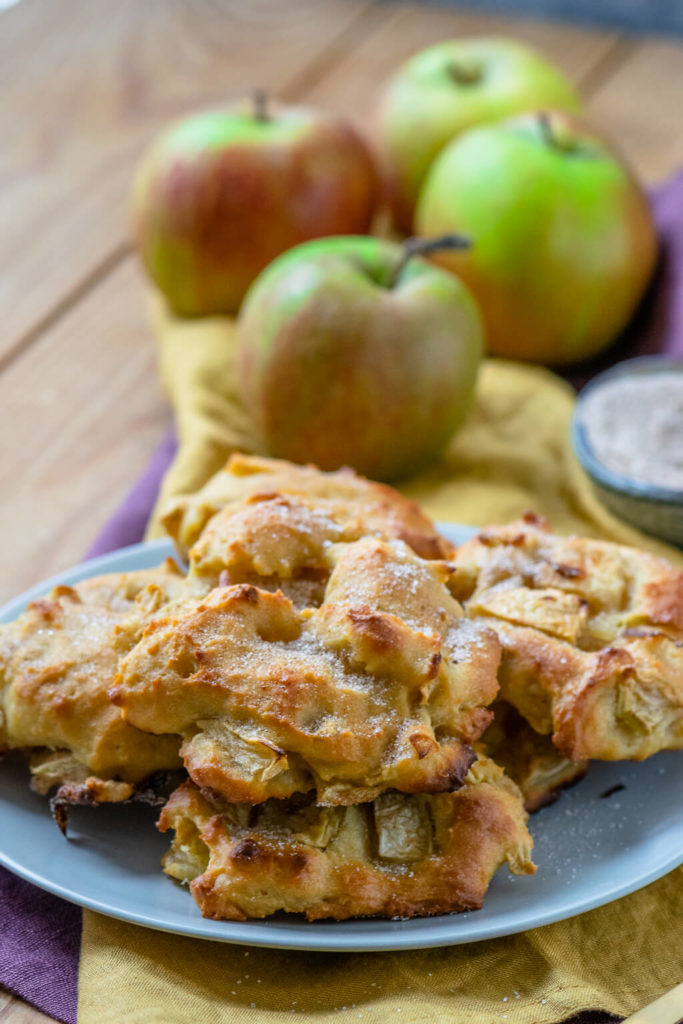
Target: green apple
point(220, 194)
point(564, 240)
point(446, 89)
point(352, 354)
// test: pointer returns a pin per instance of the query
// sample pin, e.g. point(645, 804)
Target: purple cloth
point(660, 328)
point(40, 941)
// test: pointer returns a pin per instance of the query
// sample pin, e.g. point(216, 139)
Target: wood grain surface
point(84, 85)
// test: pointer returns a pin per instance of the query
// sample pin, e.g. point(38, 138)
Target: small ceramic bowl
point(656, 510)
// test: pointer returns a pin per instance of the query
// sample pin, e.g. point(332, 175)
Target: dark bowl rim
point(607, 478)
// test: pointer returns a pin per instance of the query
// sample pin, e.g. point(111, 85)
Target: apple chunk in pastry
point(398, 856)
point(383, 685)
point(351, 496)
point(57, 662)
point(592, 636)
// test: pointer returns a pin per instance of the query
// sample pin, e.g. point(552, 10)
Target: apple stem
point(465, 72)
point(259, 98)
point(555, 137)
point(423, 247)
point(547, 129)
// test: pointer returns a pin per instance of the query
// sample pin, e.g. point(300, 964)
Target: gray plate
point(589, 850)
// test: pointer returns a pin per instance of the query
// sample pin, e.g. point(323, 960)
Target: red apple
point(564, 244)
point(351, 355)
point(446, 89)
point(220, 194)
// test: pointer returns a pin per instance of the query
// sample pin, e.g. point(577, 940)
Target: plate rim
point(441, 930)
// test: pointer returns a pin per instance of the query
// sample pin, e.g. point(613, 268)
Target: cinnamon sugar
point(634, 426)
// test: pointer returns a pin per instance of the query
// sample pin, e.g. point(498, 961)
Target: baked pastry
point(353, 496)
point(592, 636)
point(57, 662)
point(530, 759)
point(400, 856)
point(279, 542)
point(382, 685)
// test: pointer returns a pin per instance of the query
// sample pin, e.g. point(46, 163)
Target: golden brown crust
point(384, 685)
point(530, 759)
point(57, 662)
point(400, 856)
point(247, 476)
point(280, 542)
point(592, 636)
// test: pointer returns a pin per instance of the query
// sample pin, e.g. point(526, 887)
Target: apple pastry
point(380, 684)
point(354, 497)
point(57, 663)
point(592, 636)
point(329, 673)
point(399, 856)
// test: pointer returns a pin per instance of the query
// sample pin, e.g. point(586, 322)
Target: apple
point(357, 352)
point(564, 240)
point(446, 89)
point(218, 195)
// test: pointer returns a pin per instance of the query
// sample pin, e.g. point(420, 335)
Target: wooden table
point(84, 85)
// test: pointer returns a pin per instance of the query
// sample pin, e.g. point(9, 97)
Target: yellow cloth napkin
point(513, 454)
point(617, 958)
